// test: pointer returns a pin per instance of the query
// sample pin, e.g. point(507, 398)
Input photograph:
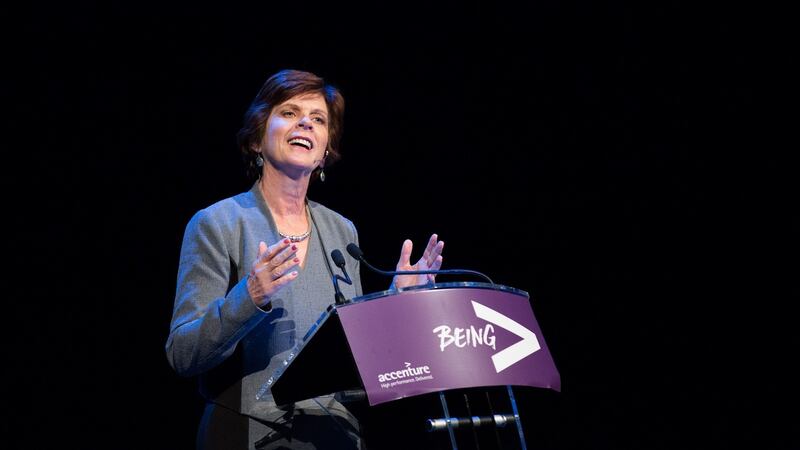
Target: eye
point(287, 113)
point(319, 120)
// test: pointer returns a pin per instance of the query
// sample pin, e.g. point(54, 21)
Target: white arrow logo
point(515, 353)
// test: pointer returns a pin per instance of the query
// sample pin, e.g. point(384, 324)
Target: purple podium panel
point(430, 340)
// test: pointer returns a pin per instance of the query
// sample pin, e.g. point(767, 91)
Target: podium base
point(404, 424)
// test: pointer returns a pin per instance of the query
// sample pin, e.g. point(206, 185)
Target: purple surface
point(399, 355)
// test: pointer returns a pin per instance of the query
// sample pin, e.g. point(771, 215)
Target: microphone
point(338, 259)
point(356, 253)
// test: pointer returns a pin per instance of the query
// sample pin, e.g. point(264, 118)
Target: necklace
point(298, 237)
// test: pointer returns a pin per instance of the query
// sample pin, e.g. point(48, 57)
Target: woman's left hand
point(431, 260)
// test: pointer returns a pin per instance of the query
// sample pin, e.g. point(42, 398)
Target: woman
point(254, 275)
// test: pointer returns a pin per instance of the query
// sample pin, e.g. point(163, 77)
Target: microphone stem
point(375, 269)
point(427, 272)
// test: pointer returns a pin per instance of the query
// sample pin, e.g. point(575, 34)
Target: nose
point(305, 123)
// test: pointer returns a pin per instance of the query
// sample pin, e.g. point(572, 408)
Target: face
point(296, 134)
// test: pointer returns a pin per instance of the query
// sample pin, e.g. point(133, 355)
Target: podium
point(393, 345)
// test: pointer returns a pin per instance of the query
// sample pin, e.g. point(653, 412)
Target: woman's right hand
point(270, 271)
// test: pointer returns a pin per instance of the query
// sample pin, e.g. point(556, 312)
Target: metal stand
point(522, 444)
point(473, 422)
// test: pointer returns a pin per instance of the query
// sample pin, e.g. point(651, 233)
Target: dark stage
point(588, 154)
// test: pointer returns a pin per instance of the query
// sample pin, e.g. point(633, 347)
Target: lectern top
point(449, 285)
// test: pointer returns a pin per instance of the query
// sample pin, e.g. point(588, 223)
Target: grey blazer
point(217, 333)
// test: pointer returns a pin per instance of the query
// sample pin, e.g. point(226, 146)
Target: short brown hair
point(277, 89)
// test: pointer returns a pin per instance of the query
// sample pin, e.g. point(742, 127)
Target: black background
point(602, 157)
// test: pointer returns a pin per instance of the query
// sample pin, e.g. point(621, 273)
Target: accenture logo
point(403, 376)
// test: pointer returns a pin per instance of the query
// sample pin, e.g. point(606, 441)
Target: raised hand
point(270, 271)
point(431, 259)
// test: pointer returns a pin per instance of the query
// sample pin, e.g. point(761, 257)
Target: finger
point(432, 241)
point(285, 255)
point(285, 279)
point(274, 249)
point(435, 253)
point(437, 250)
point(429, 258)
point(405, 254)
point(437, 263)
point(283, 243)
point(283, 268)
point(271, 285)
point(262, 252)
point(269, 274)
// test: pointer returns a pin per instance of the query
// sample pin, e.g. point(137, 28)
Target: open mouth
point(302, 142)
